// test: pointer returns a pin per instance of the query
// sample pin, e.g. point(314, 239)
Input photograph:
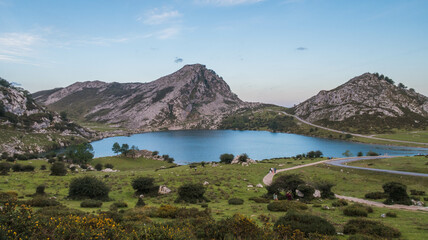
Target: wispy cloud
point(227, 2)
point(167, 33)
point(301, 49)
point(18, 47)
point(159, 16)
point(178, 60)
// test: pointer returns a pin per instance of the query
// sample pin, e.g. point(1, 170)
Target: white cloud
point(227, 2)
point(17, 47)
point(157, 16)
point(168, 33)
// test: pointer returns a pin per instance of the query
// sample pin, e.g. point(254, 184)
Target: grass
point(412, 136)
point(417, 164)
point(225, 182)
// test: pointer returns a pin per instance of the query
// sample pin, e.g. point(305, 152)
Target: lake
point(207, 145)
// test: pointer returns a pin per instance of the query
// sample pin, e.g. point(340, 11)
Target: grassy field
point(225, 182)
point(412, 136)
point(408, 164)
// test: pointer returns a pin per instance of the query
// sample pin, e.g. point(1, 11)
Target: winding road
point(353, 134)
point(267, 180)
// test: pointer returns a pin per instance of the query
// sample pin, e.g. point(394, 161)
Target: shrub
point(109, 165)
point(16, 167)
point(42, 201)
point(8, 197)
point(259, 199)
point(376, 195)
point(40, 190)
point(284, 206)
point(204, 205)
point(243, 157)
point(340, 203)
point(288, 182)
point(325, 189)
point(43, 167)
point(98, 167)
point(191, 193)
point(226, 158)
point(355, 211)
point(120, 204)
point(140, 203)
point(306, 223)
point(391, 214)
point(143, 185)
point(368, 227)
point(166, 211)
point(90, 203)
point(371, 153)
point(58, 169)
point(88, 187)
point(27, 168)
point(308, 192)
point(155, 153)
point(236, 201)
point(397, 193)
point(10, 159)
point(4, 168)
point(416, 192)
point(361, 237)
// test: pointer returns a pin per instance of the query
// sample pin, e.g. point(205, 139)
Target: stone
point(259, 185)
point(299, 193)
point(206, 183)
point(317, 193)
point(325, 207)
point(236, 161)
point(250, 186)
point(383, 215)
point(109, 170)
point(164, 190)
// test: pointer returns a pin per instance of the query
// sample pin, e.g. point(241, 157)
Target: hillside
point(28, 127)
point(365, 104)
point(193, 97)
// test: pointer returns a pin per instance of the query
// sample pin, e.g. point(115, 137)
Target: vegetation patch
point(369, 227)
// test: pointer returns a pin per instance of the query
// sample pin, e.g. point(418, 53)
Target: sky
point(272, 51)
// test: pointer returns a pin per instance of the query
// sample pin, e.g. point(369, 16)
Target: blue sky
point(270, 51)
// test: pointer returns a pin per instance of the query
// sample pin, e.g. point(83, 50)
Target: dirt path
point(353, 134)
point(267, 180)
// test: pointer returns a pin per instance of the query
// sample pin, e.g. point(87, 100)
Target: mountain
point(370, 102)
point(28, 127)
point(192, 97)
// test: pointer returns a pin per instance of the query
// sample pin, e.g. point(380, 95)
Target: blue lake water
point(207, 145)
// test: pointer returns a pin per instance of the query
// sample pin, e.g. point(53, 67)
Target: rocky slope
point(21, 116)
point(367, 102)
point(192, 97)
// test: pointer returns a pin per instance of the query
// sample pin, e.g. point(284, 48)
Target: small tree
point(191, 193)
point(88, 187)
point(80, 154)
point(124, 149)
point(226, 158)
point(4, 168)
point(99, 167)
point(58, 169)
point(325, 189)
point(347, 153)
point(116, 148)
point(243, 157)
point(360, 154)
point(371, 153)
point(143, 185)
point(285, 183)
point(397, 193)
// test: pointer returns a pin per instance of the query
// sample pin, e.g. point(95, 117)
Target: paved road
point(267, 180)
point(342, 163)
point(353, 134)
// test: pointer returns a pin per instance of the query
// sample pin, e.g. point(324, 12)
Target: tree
point(243, 157)
point(63, 115)
point(143, 185)
point(226, 158)
point(116, 148)
point(80, 154)
point(58, 169)
point(285, 183)
point(124, 149)
point(88, 187)
point(402, 86)
point(191, 193)
point(347, 153)
point(397, 193)
point(360, 154)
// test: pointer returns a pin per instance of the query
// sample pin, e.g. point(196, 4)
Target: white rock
point(317, 193)
point(299, 193)
point(250, 186)
point(164, 189)
point(259, 185)
point(206, 183)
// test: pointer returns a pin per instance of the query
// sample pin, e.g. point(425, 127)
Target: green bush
point(285, 205)
point(376, 195)
point(371, 153)
point(306, 223)
point(325, 189)
point(16, 167)
point(191, 193)
point(308, 192)
point(259, 199)
point(120, 204)
point(43, 167)
point(27, 168)
point(109, 165)
point(4, 168)
point(140, 203)
point(236, 201)
point(417, 192)
point(288, 182)
point(397, 193)
point(339, 203)
point(58, 169)
point(98, 167)
point(88, 187)
point(40, 190)
point(226, 158)
point(372, 228)
point(166, 211)
point(355, 211)
point(42, 201)
point(90, 203)
point(361, 237)
point(143, 185)
point(391, 214)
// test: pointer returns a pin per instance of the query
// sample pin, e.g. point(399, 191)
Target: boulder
point(259, 185)
point(206, 183)
point(299, 193)
point(164, 189)
point(236, 160)
point(250, 186)
point(317, 193)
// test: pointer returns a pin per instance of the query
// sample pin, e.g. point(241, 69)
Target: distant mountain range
point(370, 102)
point(194, 97)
